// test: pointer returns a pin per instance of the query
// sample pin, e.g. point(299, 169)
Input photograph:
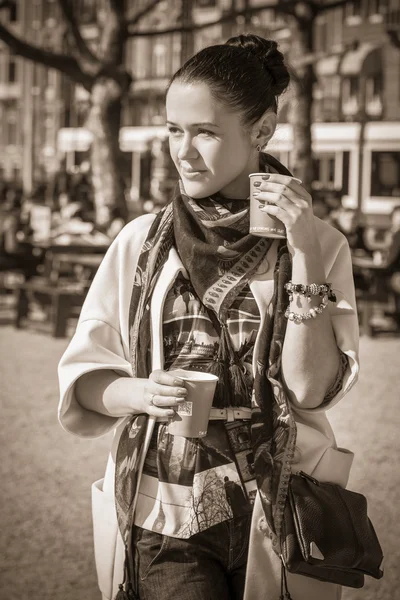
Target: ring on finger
point(151, 401)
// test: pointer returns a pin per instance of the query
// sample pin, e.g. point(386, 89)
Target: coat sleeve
point(339, 272)
point(101, 340)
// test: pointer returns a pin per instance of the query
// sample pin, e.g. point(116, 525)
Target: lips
point(192, 171)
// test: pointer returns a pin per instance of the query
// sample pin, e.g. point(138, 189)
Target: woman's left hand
point(286, 199)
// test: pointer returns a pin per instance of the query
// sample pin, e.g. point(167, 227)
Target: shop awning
point(365, 59)
point(131, 139)
point(137, 139)
point(73, 139)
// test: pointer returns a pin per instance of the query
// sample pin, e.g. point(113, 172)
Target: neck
point(239, 188)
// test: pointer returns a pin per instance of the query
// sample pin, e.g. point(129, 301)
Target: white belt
point(225, 414)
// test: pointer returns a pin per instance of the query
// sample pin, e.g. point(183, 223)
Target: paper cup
point(261, 223)
point(191, 416)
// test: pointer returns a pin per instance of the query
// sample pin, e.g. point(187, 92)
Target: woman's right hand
point(163, 392)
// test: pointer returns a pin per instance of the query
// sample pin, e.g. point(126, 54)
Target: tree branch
point(231, 16)
point(82, 47)
point(131, 21)
point(331, 5)
point(288, 8)
point(66, 64)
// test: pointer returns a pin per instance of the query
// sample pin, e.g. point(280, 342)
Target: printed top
point(191, 484)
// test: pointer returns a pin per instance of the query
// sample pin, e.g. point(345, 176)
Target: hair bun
point(266, 51)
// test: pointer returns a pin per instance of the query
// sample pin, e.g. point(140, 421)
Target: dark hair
point(247, 73)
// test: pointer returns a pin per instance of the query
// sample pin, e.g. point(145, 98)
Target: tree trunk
point(104, 120)
point(300, 107)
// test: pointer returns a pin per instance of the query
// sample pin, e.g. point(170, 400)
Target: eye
point(206, 132)
point(173, 130)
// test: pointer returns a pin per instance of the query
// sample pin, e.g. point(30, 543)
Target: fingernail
point(182, 392)
point(180, 400)
point(257, 183)
point(265, 177)
point(255, 194)
point(170, 412)
point(178, 381)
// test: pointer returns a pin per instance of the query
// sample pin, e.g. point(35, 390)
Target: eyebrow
point(206, 123)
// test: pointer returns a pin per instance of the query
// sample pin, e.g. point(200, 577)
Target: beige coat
point(101, 341)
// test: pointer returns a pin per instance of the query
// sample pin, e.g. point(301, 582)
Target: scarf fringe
point(234, 382)
point(126, 594)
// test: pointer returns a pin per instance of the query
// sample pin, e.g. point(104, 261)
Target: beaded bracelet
point(311, 314)
point(314, 289)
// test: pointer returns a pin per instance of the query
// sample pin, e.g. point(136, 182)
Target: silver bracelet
point(311, 314)
point(314, 289)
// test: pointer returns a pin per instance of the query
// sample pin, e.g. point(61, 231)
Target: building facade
point(356, 108)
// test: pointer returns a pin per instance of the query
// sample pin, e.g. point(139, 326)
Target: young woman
point(191, 288)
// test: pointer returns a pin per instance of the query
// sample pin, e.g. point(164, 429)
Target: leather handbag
point(327, 534)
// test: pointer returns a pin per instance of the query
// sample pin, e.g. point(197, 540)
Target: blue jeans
point(210, 565)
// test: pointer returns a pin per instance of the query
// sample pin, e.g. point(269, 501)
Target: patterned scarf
point(220, 257)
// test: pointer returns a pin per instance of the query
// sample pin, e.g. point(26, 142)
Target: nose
point(187, 149)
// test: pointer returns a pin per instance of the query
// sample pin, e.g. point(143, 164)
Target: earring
point(258, 148)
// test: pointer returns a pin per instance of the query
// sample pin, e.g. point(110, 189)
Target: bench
point(60, 298)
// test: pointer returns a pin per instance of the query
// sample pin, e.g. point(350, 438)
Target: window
point(142, 57)
point(351, 88)
point(374, 86)
point(373, 95)
point(13, 12)
point(353, 8)
point(345, 173)
point(376, 7)
point(385, 174)
point(159, 60)
point(12, 68)
point(50, 10)
point(350, 95)
point(324, 171)
point(336, 22)
point(3, 64)
point(36, 13)
point(87, 11)
point(11, 128)
point(176, 52)
point(321, 34)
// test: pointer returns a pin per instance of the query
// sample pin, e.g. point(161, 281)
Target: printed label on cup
point(262, 223)
point(185, 408)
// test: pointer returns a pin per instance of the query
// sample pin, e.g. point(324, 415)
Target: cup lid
point(194, 375)
point(294, 178)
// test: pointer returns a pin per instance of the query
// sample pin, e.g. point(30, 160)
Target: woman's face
point(210, 147)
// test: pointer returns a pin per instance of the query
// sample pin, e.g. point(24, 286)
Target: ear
point(264, 128)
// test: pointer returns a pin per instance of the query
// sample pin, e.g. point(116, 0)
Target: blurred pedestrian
point(222, 110)
point(350, 222)
point(16, 252)
point(389, 259)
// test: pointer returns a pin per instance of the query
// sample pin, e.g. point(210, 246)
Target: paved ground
point(46, 537)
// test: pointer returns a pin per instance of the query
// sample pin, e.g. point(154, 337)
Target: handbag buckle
point(315, 552)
